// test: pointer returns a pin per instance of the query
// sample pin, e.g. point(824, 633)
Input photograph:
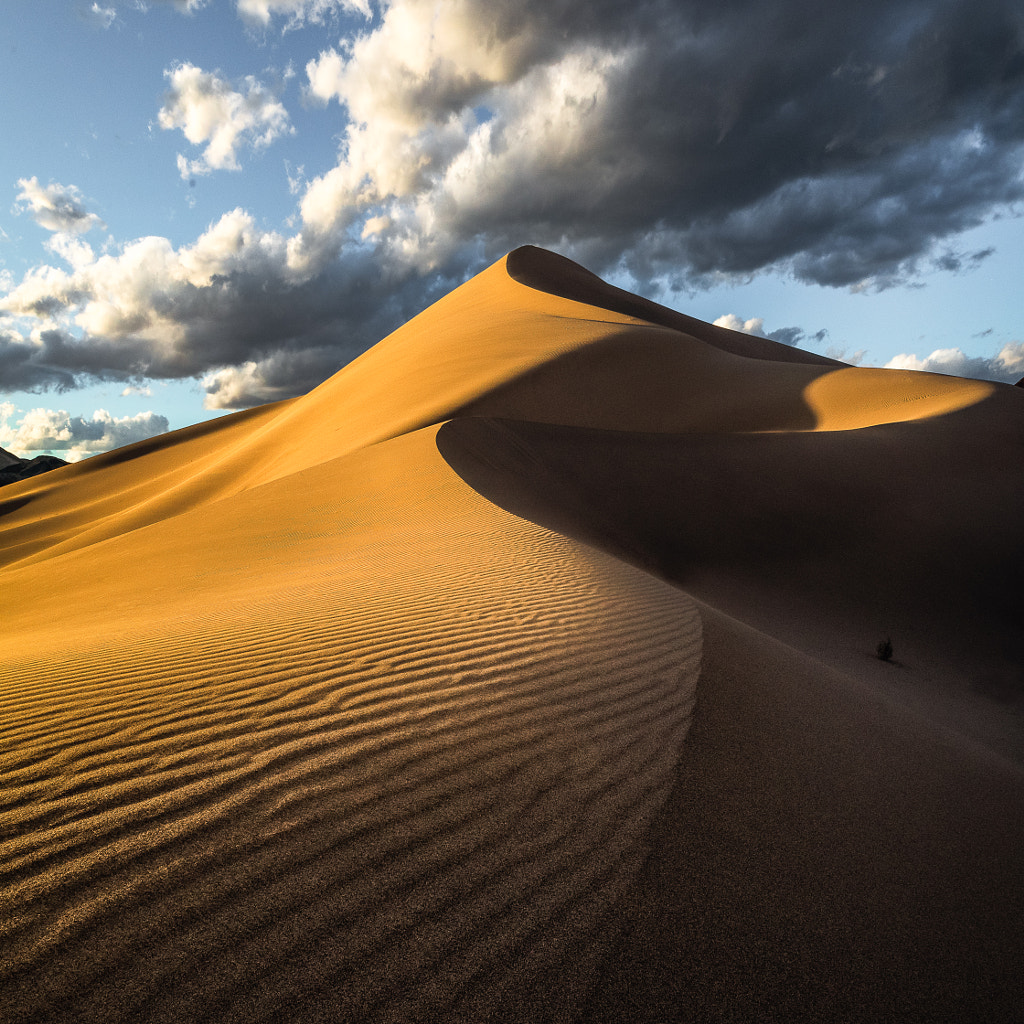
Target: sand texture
point(524, 671)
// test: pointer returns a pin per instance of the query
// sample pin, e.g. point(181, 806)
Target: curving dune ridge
point(524, 671)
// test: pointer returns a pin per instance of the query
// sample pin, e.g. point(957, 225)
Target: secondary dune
point(524, 671)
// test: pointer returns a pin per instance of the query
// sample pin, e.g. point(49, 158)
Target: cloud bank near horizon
point(1006, 365)
point(74, 438)
point(669, 143)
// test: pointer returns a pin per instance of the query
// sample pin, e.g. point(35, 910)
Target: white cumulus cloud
point(460, 114)
point(1010, 360)
point(425, 60)
point(235, 387)
point(149, 289)
point(755, 325)
point(71, 248)
point(57, 432)
point(208, 110)
point(1006, 365)
point(58, 208)
point(256, 382)
point(298, 11)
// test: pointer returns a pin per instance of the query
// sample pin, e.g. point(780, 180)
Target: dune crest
point(524, 670)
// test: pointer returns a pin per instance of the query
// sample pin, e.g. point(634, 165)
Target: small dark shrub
point(884, 650)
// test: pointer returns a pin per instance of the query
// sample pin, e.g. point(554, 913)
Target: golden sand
point(386, 727)
point(378, 704)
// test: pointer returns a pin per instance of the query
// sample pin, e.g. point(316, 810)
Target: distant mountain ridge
point(13, 468)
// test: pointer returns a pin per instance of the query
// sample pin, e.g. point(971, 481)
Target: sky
point(206, 205)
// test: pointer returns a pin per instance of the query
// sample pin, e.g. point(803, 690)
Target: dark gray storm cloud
point(798, 336)
point(22, 367)
point(671, 142)
point(842, 142)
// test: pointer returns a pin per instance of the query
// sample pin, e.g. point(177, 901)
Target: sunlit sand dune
point(524, 670)
point(371, 749)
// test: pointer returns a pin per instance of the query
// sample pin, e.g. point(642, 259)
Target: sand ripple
point(387, 801)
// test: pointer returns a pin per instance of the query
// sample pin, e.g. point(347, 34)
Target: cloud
point(958, 262)
point(425, 61)
point(670, 144)
point(184, 6)
point(230, 298)
point(298, 12)
point(23, 366)
point(57, 208)
point(142, 298)
point(104, 17)
point(577, 123)
point(844, 355)
point(732, 322)
point(70, 248)
point(443, 153)
point(267, 380)
point(798, 336)
point(207, 109)
point(55, 431)
point(867, 229)
point(1006, 365)
point(783, 335)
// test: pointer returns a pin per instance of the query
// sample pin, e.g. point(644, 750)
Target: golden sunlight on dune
point(391, 731)
point(524, 671)
point(865, 397)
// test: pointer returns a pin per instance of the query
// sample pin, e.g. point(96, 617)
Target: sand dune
point(393, 735)
point(398, 701)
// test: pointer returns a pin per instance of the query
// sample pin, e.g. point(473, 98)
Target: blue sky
point(216, 204)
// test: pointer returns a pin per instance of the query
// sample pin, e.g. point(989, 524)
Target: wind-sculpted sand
point(396, 702)
point(422, 747)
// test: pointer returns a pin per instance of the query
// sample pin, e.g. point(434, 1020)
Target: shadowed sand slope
point(824, 856)
point(387, 703)
point(830, 540)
